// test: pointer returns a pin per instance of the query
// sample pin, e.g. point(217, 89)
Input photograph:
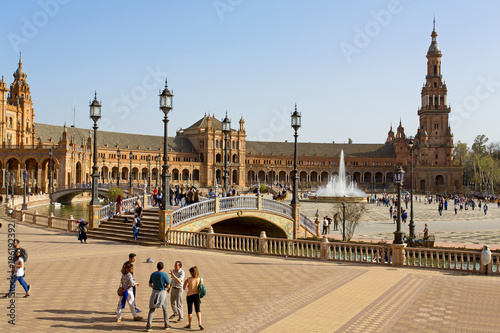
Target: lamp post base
point(398, 237)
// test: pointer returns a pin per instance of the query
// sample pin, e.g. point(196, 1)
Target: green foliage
point(113, 194)
point(349, 140)
point(263, 188)
point(481, 163)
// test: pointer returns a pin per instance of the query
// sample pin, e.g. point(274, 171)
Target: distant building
point(196, 153)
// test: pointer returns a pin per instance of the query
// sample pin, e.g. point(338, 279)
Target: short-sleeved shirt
point(159, 280)
point(180, 275)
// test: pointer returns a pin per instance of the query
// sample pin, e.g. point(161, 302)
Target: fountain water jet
point(339, 188)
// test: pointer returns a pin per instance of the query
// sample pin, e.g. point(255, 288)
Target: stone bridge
point(244, 212)
point(66, 193)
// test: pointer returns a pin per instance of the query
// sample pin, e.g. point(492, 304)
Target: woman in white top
point(17, 275)
point(127, 283)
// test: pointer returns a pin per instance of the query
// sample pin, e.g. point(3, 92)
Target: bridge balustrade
point(277, 207)
point(109, 210)
point(195, 210)
point(240, 202)
point(307, 223)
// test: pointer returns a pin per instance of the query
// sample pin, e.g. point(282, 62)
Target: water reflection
point(77, 209)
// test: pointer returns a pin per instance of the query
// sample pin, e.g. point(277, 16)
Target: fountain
point(339, 189)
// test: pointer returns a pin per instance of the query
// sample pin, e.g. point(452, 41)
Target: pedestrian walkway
point(74, 290)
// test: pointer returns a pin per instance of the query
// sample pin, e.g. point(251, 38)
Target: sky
point(352, 67)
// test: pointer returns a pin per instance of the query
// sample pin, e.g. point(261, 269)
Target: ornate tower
point(434, 134)
point(19, 115)
point(433, 153)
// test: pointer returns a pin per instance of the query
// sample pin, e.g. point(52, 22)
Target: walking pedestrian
point(336, 222)
point(485, 208)
point(135, 227)
point(192, 284)
point(131, 260)
point(159, 282)
point(390, 213)
point(82, 230)
point(177, 275)
point(127, 295)
point(18, 275)
point(119, 204)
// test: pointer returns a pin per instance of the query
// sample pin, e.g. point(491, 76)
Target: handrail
point(277, 207)
point(109, 210)
point(192, 211)
point(237, 203)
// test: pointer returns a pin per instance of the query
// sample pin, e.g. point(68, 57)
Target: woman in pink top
point(191, 285)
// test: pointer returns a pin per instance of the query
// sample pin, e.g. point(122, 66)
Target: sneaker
point(202, 328)
point(137, 310)
point(179, 320)
point(138, 318)
point(27, 295)
point(187, 326)
point(29, 288)
point(148, 329)
point(167, 327)
point(118, 320)
point(8, 295)
point(172, 316)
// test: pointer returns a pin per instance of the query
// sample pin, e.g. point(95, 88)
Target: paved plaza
point(74, 290)
point(468, 228)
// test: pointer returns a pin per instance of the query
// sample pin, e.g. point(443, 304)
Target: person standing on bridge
point(119, 203)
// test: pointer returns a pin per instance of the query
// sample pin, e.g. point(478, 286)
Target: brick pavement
point(74, 290)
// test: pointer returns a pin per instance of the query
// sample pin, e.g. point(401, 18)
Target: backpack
point(24, 254)
point(202, 291)
point(138, 224)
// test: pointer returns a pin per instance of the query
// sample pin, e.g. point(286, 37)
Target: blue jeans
point(13, 283)
point(136, 233)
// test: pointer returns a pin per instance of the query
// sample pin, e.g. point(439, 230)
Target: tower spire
point(434, 24)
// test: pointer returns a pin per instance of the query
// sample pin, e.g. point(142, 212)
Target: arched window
point(10, 122)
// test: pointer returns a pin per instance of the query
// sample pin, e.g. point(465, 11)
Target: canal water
point(77, 209)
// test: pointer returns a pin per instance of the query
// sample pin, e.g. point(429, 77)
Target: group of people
point(162, 284)
point(327, 222)
point(18, 271)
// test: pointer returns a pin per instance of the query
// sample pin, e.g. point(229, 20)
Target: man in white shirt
point(177, 275)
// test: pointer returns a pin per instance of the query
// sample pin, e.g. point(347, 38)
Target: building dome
point(434, 49)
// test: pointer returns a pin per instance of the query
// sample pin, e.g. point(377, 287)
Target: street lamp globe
point(95, 109)
point(410, 144)
point(296, 119)
point(226, 125)
point(166, 99)
point(399, 176)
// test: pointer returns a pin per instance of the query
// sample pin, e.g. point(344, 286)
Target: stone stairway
point(116, 230)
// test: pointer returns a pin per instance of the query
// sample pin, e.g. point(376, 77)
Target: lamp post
point(102, 169)
point(51, 153)
point(343, 219)
point(296, 122)
point(118, 154)
point(273, 177)
point(12, 186)
point(398, 234)
point(7, 180)
point(412, 223)
point(148, 159)
point(251, 176)
point(226, 128)
point(157, 158)
point(130, 157)
point(25, 175)
point(95, 114)
point(166, 104)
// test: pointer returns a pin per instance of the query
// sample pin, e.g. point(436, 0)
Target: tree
point(479, 145)
point(353, 213)
point(349, 141)
point(113, 193)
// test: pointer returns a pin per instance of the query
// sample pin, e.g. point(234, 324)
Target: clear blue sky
point(256, 58)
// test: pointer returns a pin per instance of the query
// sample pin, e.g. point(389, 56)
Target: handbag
point(120, 291)
point(202, 291)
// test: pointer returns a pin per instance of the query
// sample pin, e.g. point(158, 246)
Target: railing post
point(296, 219)
point(34, 216)
point(50, 222)
point(259, 203)
point(95, 216)
point(165, 223)
point(210, 238)
point(145, 201)
point(325, 248)
point(70, 223)
point(398, 254)
point(23, 215)
point(216, 205)
point(318, 227)
point(263, 243)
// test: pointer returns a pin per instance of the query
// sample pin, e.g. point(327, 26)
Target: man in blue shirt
point(159, 282)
